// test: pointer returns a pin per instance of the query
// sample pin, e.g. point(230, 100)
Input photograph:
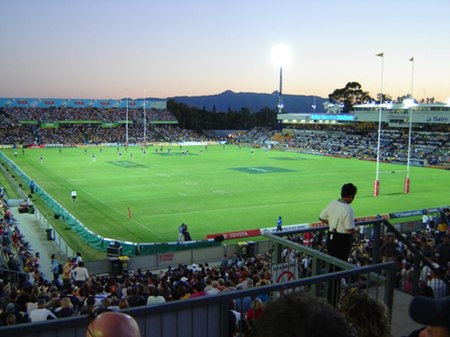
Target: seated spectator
point(198, 290)
point(66, 308)
point(41, 313)
point(155, 297)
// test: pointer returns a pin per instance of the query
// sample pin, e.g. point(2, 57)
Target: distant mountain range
point(229, 100)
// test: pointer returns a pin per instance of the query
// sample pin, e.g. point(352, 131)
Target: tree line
point(193, 118)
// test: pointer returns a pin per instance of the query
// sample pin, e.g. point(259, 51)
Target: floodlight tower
point(376, 184)
point(280, 92)
point(281, 56)
point(408, 104)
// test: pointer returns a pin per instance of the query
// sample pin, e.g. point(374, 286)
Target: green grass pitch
point(218, 189)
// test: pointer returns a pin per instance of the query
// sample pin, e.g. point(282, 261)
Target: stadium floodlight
point(412, 75)
point(145, 120)
point(408, 104)
point(282, 58)
point(376, 184)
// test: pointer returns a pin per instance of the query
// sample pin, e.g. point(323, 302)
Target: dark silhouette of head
point(113, 324)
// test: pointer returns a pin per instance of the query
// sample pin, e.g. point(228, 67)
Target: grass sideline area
point(215, 189)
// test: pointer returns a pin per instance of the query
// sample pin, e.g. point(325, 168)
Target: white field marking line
point(117, 212)
point(109, 207)
point(221, 209)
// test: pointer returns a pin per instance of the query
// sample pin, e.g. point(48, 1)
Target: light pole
point(145, 120)
point(409, 104)
point(376, 184)
point(281, 56)
point(280, 92)
point(126, 122)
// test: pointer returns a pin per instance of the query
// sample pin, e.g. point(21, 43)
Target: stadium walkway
point(37, 238)
point(402, 325)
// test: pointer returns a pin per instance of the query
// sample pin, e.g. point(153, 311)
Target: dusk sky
point(114, 48)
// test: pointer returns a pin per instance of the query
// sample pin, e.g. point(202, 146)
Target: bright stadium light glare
point(408, 103)
point(448, 101)
point(282, 57)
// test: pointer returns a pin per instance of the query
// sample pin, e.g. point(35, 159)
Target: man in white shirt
point(339, 216)
point(41, 313)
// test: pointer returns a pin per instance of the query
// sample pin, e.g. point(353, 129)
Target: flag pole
point(412, 77)
point(126, 122)
point(376, 184)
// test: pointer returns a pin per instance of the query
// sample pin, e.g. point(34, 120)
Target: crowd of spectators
point(428, 147)
point(74, 291)
point(14, 115)
point(35, 126)
point(77, 134)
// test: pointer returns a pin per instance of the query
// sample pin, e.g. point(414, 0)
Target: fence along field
point(143, 196)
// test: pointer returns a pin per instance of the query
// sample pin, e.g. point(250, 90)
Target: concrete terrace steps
point(37, 238)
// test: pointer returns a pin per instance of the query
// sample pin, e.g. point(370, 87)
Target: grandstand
point(355, 134)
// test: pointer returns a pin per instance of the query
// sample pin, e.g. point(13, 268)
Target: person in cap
point(113, 324)
point(433, 313)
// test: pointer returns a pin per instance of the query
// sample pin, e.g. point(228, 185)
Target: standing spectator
point(279, 224)
point(388, 248)
point(443, 251)
point(187, 235)
point(425, 220)
point(443, 216)
point(54, 266)
point(339, 216)
point(67, 273)
point(80, 274)
point(181, 233)
point(78, 259)
point(32, 186)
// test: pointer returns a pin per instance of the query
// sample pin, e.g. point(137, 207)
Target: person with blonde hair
point(367, 315)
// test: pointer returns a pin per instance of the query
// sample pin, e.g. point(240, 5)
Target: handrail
point(377, 223)
point(418, 256)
